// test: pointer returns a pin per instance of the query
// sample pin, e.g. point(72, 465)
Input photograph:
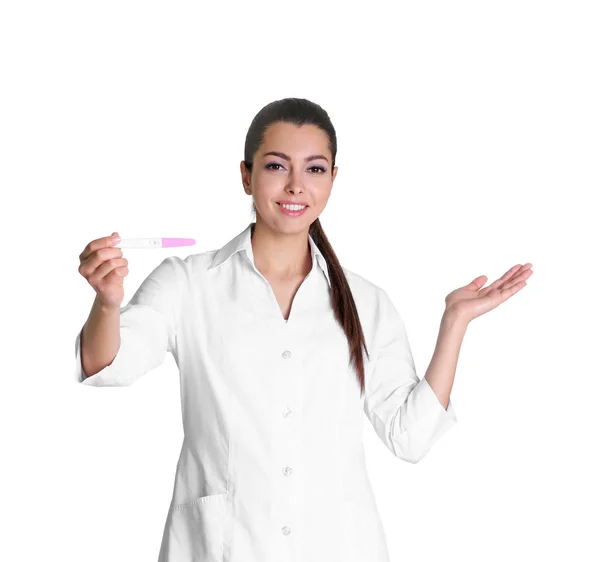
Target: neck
point(278, 255)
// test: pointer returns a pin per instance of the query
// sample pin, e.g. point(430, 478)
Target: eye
point(320, 168)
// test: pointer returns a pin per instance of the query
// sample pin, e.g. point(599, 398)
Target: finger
point(106, 268)
point(512, 271)
point(117, 275)
point(513, 274)
point(104, 242)
point(520, 275)
point(476, 283)
point(114, 277)
point(518, 279)
point(97, 259)
point(505, 294)
point(518, 270)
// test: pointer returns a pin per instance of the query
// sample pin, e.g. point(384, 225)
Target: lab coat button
point(286, 354)
point(286, 530)
point(287, 471)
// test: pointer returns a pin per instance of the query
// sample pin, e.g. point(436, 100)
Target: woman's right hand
point(104, 267)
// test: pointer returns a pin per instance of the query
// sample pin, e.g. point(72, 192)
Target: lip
point(292, 203)
point(289, 213)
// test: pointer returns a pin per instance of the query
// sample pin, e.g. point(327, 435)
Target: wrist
point(454, 319)
point(105, 308)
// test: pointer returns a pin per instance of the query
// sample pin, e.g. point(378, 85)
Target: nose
point(294, 189)
point(295, 183)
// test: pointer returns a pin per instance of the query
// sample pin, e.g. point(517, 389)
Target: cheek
point(265, 190)
point(322, 196)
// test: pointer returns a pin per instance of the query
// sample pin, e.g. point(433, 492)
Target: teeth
point(294, 207)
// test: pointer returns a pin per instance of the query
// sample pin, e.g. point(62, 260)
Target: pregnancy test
point(154, 242)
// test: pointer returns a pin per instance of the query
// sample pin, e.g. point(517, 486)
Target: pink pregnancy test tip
point(175, 242)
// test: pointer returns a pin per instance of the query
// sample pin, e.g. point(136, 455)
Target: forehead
point(290, 138)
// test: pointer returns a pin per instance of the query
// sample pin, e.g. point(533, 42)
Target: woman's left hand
point(471, 301)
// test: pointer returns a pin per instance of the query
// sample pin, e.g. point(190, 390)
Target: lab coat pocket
point(195, 530)
point(364, 537)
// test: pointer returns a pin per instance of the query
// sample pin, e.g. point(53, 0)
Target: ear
point(245, 177)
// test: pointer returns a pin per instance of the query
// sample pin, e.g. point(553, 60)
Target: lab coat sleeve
point(404, 411)
point(147, 329)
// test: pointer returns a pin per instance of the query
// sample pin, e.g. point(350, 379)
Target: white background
point(468, 142)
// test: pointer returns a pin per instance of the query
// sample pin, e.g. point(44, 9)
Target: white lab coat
point(272, 466)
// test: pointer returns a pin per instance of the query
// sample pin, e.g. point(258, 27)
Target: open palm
point(472, 301)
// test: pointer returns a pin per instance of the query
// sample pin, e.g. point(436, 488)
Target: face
point(290, 176)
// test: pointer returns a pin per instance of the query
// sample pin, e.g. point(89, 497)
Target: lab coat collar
point(243, 241)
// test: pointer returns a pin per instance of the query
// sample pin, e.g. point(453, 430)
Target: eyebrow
point(286, 157)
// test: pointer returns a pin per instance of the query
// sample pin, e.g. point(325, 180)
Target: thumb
point(477, 283)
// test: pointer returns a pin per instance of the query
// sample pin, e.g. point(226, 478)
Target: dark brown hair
point(304, 112)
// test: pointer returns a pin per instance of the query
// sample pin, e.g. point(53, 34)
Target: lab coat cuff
point(427, 395)
point(427, 419)
point(111, 375)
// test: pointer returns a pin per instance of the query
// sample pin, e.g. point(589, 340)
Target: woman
point(280, 351)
